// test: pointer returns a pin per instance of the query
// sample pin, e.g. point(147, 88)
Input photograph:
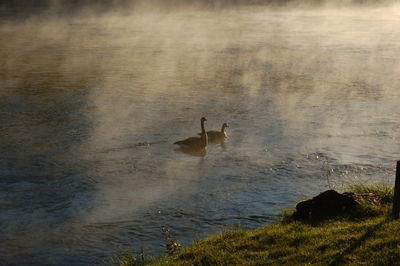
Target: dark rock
point(303, 210)
point(328, 204)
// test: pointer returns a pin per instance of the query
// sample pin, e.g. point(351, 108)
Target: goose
point(216, 136)
point(196, 142)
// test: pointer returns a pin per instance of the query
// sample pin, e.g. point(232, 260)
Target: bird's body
point(195, 142)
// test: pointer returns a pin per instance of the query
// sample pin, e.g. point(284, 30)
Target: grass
point(369, 238)
point(130, 259)
point(384, 192)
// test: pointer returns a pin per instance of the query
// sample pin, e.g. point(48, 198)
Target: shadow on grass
point(339, 258)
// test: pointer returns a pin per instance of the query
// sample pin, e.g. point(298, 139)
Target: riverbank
point(369, 236)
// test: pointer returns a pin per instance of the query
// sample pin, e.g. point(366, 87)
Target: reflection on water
point(199, 152)
point(90, 108)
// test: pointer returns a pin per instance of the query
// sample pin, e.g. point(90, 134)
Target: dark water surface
point(90, 107)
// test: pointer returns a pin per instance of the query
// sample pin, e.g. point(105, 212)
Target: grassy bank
point(367, 237)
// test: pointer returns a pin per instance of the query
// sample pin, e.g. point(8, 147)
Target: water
point(90, 107)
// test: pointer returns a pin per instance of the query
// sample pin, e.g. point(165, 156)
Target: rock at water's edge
point(328, 204)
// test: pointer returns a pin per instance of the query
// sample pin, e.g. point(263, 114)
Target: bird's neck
point(223, 132)
point(223, 129)
point(204, 136)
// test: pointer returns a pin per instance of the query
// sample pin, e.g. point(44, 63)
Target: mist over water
point(90, 106)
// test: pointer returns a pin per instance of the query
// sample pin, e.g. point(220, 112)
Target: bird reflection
point(223, 146)
point(199, 152)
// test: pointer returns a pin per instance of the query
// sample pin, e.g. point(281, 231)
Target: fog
point(17, 9)
point(185, 51)
point(94, 96)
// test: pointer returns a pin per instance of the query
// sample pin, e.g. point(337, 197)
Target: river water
point(90, 107)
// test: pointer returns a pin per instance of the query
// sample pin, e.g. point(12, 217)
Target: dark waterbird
point(195, 142)
point(217, 136)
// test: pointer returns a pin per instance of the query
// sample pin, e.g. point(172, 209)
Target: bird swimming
point(196, 142)
point(217, 136)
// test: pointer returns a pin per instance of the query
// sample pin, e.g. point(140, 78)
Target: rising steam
point(297, 78)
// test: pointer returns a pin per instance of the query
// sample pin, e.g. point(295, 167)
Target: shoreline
point(365, 236)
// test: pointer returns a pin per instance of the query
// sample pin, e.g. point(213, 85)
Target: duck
point(195, 142)
point(217, 136)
